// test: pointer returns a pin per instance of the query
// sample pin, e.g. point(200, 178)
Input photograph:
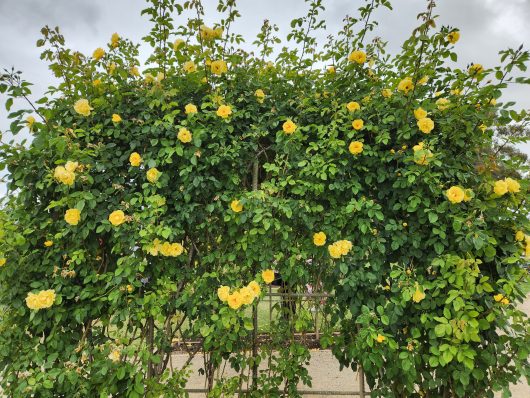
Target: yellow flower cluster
point(40, 300)
point(340, 248)
point(207, 33)
point(501, 187)
point(243, 296)
point(500, 298)
point(184, 135)
point(166, 249)
point(319, 239)
point(66, 174)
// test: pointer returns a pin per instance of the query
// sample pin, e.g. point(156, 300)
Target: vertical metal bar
point(254, 347)
point(361, 382)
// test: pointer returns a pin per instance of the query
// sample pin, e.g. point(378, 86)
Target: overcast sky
point(487, 26)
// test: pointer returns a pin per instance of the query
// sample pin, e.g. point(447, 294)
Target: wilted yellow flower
point(82, 107)
point(72, 216)
point(223, 292)
point(355, 147)
point(135, 159)
point(255, 287)
point(442, 103)
point(420, 113)
point(190, 108)
point(236, 206)
point(115, 356)
point(357, 124)
point(455, 194)
point(453, 37)
point(331, 69)
point(357, 56)
point(247, 295)
point(418, 294)
point(48, 243)
point(177, 43)
point(406, 85)
point(500, 187)
point(268, 276)
point(224, 111)
point(98, 53)
point(235, 301)
point(184, 135)
point(117, 217)
point(387, 93)
point(519, 236)
point(219, 67)
point(116, 118)
point(260, 95)
point(114, 40)
point(189, 67)
point(426, 125)
point(380, 338)
point(468, 195)
point(493, 101)
point(153, 175)
point(289, 127)
point(475, 69)
point(319, 239)
point(513, 185)
point(353, 106)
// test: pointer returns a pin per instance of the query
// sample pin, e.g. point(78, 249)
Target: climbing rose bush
point(155, 202)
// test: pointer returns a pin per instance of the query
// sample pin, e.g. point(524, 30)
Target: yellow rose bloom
point(219, 67)
point(134, 71)
point(223, 292)
point(176, 249)
point(289, 127)
point(72, 216)
point(268, 276)
point(442, 103)
point(455, 194)
point(114, 40)
point(418, 294)
point(235, 301)
point(500, 187)
point(189, 67)
point(82, 107)
point(64, 176)
point(255, 288)
point(475, 69)
point(153, 175)
point(357, 124)
point(30, 120)
point(40, 300)
point(357, 56)
point(420, 113)
point(184, 135)
point(319, 239)
point(165, 249)
point(71, 166)
point(355, 147)
point(98, 53)
point(426, 125)
point(224, 111)
point(247, 295)
point(2, 261)
point(177, 43)
point(115, 356)
point(135, 159)
point(513, 185)
point(206, 33)
point(129, 288)
point(387, 93)
point(419, 146)
point(190, 108)
point(116, 118)
point(48, 243)
point(334, 250)
point(483, 127)
point(453, 37)
point(344, 246)
point(117, 217)
point(380, 338)
point(519, 236)
point(236, 206)
point(405, 85)
point(423, 80)
point(260, 95)
point(353, 106)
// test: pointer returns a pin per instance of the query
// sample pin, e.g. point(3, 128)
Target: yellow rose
point(319, 239)
point(82, 107)
point(115, 356)
point(423, 80)
point(129, 288)
point(483, 127)
point(224, 111)
point(355, 147)
point(63, 175)
point(116, 118)
point(153, 175)
point(114, 40)
point(418, 294)
point(455, 194)
point(420, 113)
point(387, 93)
point(236, 206)
point(176, 249)
point(135, 159)
point(234, 300)
point(98, 53)
point(334, 250)
point(380, 338)
point(500, 187)
point(519, 236)
point(206, 33)
point(442, 103)
point(344, 246)
point(219, 67)
point(48, 243)
point(149, 78)
point(190, 108)
point(255, 287)
point(260, 95)
point(405, 85)
point(165, 249)
point(189, 67)
point(475, 69)
point(30, 120)
point(177, 43)
point(513, 185)
point(2, 261)
point(117, 217)
point(289, 127)
point(418, 147)
point(46, 298)
point(268, 276)
point(425, 125)
point(72, 216)
point(134, 71)
point(184, 135)
point(223, 292)
point(453, 37)
point(247, 295)
point(357, 124)
point(32, 301)
point(357, 56)
point(353, 106)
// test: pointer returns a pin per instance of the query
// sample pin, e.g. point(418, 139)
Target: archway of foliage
point(367, 175)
